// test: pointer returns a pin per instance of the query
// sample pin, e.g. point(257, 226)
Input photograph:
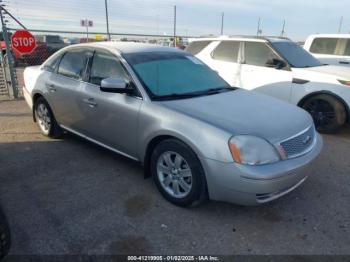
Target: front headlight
point(344, 82)
point(252, 150)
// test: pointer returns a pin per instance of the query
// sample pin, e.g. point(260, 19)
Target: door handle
point(90, 101)
point(51, 87)
point(344, 62)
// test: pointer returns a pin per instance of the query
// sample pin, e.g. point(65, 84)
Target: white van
point(333, 49)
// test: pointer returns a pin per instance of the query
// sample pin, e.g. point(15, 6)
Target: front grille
point(299, 144)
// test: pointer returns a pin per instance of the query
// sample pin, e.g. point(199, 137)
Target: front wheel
point(328, 113)
point(45, 119)
point(178, 174)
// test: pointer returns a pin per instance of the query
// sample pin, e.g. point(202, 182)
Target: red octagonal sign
point(23, 41)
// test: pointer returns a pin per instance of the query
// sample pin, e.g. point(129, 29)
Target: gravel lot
point(69, 196)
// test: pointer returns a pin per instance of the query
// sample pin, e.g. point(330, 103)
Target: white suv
point(331, 49)
point(281, 68)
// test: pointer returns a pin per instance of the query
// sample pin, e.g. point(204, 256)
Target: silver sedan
point(195, 135)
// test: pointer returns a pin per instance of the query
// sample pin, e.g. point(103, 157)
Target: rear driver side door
point(64, 86)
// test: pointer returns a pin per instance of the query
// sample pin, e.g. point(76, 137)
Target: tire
point(5, 236)
point(173, 163)
point(328, 113)
point(45, 119)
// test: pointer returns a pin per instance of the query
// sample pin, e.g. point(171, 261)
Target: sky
point(194, 17)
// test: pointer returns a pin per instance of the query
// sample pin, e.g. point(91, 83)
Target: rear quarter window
point(325, 46)
point(347, 48)
point(52, 63)
point(197, 46)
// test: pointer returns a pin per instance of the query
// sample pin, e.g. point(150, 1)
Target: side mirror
point(276, 63)
point(115, 85)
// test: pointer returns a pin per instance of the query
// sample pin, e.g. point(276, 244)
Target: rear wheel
point(45, 119)
point(328, 113)
point(178, 174)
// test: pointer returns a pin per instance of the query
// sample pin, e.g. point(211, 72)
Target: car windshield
point(175, 75)
point(295, 55)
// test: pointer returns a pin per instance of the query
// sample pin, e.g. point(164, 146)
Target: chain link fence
point(4, 92)
point(49, 42)
point(59, 24)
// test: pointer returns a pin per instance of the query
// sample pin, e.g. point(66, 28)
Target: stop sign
point(23, 41)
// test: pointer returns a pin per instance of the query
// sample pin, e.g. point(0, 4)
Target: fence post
point(13, 91)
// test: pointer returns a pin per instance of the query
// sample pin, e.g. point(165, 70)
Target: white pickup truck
point(333, 49)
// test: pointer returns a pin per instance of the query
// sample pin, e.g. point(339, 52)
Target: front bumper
point(253, 185)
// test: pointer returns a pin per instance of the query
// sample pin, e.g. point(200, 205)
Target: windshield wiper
point(206, 92)
point(218, 90)
point(175, 96)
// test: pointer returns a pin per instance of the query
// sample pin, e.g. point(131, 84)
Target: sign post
point(87, 23)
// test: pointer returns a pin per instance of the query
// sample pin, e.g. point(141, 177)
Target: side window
point(197, 46)
point(324, 46)
point(73, 63)
point(258, 54)
point(347, 48)
point(105, 65)
point(227, 51)
point(52, 63)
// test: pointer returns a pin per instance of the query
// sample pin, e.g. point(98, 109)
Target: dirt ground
point(69, 196)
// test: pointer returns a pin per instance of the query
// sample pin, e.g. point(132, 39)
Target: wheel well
point(150, 147)
point(35, 98)
point(347, 109)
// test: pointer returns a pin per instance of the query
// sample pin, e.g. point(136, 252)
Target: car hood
point(244, 112)
point(332, 71)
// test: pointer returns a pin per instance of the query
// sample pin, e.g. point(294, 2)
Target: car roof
point(243, 38)
point(329, 36)
point(130, 47)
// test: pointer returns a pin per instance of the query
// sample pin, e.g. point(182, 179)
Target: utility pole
point(174, 25)
point(340, 24)
point(157, 24)
point(222, 22)
point(13, 89)
point(258, 32)
point(283, 27)
point(87, 30)
point(107, 22)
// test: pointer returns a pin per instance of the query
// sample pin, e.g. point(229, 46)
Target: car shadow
point(81, 198)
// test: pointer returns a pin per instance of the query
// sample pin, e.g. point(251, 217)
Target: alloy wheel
point(174, 174)
point(43, 117)
point(322, 112)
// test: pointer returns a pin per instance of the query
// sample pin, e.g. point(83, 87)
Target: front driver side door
point(110, 118)
point(257, 76)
